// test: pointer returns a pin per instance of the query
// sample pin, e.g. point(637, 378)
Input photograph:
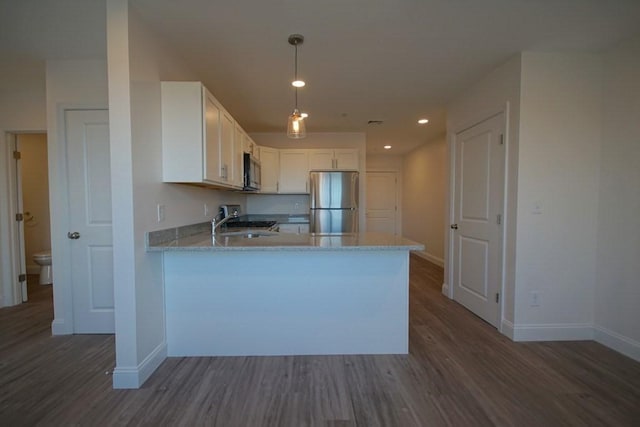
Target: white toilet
point(43, 259)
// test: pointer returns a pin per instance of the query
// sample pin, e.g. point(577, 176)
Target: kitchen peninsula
point(284, 294)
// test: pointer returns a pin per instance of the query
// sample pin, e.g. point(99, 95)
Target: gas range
point(240, 223)
point(243, 221)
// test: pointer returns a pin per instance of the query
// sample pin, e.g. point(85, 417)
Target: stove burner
point(251, 224)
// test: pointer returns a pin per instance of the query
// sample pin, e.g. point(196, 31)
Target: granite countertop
point(272, 241)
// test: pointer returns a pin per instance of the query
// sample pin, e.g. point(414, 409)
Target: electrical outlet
point(534, 299)
point(160, 213)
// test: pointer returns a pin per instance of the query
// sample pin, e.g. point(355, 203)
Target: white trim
point(134, 377)
point(431, 258)
point(506, 328)
point(553, 332)
point(445, 290)
point(617, 342)
point(59, 327)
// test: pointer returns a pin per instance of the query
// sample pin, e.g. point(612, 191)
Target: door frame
point(14, 292)
point(398, 177)
point(448, 286)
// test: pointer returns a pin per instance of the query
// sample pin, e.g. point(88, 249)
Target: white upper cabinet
point(227, 130)
point(294, 171)
point(238, 164)
point(338, 158)
point(270, 169)
point(198, 137)
point(249, 146)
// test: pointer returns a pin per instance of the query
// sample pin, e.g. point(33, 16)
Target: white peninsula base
point(233, 303)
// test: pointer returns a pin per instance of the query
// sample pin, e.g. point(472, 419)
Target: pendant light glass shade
point(295, 126)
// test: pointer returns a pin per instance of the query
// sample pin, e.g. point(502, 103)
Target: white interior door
point(477, 228)
point(382, 202)
point(89, 184)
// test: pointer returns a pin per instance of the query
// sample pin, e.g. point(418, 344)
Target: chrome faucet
point(216, 224)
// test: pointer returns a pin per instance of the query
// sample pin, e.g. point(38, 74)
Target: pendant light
point(295, 125)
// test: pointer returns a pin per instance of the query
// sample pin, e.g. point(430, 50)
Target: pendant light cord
point(295, 73)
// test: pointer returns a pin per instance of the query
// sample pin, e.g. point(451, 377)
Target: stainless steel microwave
point(251, 173)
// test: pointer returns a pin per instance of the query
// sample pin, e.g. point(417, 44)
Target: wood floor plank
point(459, 371)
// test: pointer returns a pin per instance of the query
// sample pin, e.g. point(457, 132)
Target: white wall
point(558, 171)
point(617, 296)
point(384, 162)
point(70, 84)
point(138, 61)
point(424, 198)
point(35, 196)
point(496, 92)
point(22, 109)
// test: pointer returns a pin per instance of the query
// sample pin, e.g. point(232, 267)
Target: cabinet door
point(320, 159)
point(294, 171)
point(270, 169)
point(212, 139)
point(346, 159)
point(226, 146)
point(237, 167)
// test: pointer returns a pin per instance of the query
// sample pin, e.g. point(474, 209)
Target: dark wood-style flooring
point(460, 372)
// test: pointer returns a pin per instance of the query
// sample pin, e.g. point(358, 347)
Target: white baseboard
point(506, 328)
point(445, 290)
point(134, 377)
point(553, 332)
point(430, 258)
point(59, 327)
point(617, 342)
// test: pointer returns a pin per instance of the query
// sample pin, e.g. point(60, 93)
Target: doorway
point(382, 202)
point(30, 230)
point(33, 191)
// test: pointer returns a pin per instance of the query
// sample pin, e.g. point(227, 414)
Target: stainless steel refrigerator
point(333, 206)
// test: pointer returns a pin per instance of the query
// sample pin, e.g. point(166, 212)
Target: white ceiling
point(389, 60)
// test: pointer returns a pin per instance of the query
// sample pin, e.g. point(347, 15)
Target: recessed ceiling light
point(423, 121)
point(298, 83)
point(387, 147)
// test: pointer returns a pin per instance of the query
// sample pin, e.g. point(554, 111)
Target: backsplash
point(277, 203)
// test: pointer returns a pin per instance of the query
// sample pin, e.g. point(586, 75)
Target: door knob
point(454, 226)
point(73, 235)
